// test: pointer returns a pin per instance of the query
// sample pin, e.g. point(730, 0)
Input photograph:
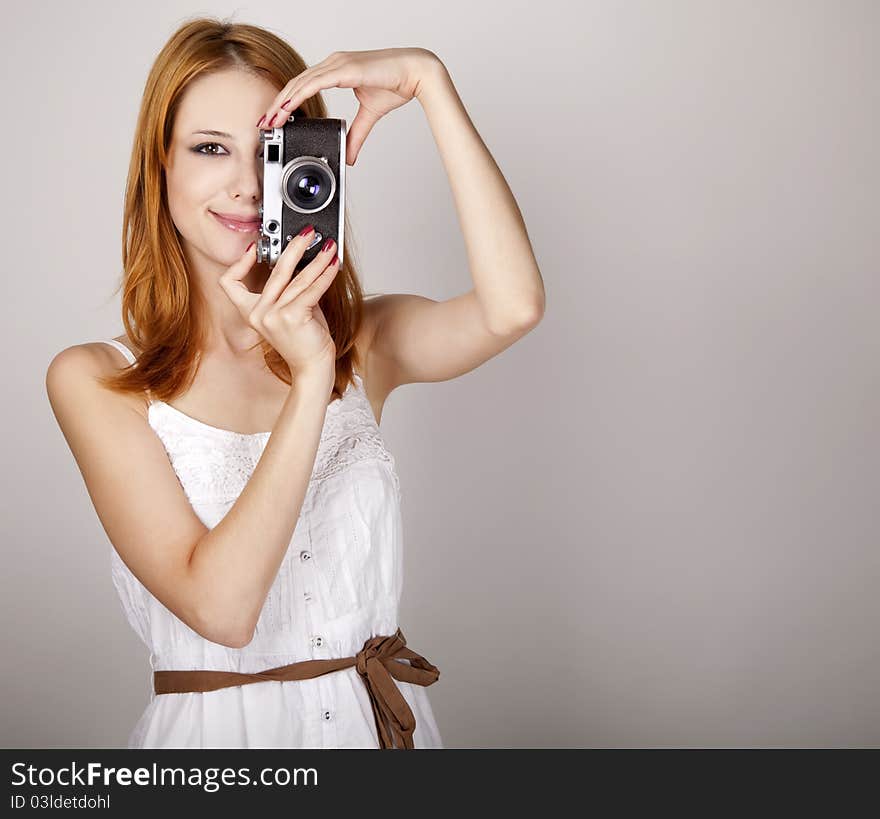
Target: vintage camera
point(303, 183)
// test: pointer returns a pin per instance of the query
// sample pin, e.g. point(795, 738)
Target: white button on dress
point(339, 585)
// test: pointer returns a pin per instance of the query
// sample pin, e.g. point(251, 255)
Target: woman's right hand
point(287, 313)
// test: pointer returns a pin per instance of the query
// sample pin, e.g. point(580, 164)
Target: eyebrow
point(215, 133)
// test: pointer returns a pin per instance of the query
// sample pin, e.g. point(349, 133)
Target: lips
point(238, 225)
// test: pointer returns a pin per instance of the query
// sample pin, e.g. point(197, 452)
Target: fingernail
point(327, 245)
point(272, 121)
point(306, 230)
point(250, 246)
point(334, 259)
point(262, 120)
point(286, 103)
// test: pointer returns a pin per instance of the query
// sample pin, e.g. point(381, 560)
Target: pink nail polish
point(306, 230)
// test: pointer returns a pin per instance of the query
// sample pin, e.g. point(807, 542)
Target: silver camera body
point(303, 183)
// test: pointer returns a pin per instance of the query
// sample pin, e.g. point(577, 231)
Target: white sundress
point(339, 584)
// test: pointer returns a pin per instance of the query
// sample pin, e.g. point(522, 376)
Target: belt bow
point(376, 663)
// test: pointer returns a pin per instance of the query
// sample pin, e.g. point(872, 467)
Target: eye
point(198, 148)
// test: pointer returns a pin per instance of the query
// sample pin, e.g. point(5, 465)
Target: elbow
point(219, 630)
point(531, 317)
point(535, 311)
point(237, 634)
point(238, 641)
point(231, 638)
point(526, 319)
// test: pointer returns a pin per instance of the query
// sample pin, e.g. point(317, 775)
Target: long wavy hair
point(161, 309)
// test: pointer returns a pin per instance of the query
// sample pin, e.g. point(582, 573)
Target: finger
point(308, 275)
point(277, 112)
point(312, 290)
point(312, 294)
point(358, 131)
point(285, 98)
point(340, 76)
point(280, 275)
point(231, 283)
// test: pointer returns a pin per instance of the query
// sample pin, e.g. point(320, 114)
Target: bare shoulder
point(90, 361)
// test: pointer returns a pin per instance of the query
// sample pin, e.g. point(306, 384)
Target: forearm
point(236, 562)
point(506, 277)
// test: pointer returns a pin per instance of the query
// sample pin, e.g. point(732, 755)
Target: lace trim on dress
point(213, 472)
point(216, 472)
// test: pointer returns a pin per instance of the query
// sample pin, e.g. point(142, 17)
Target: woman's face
point(210, 174)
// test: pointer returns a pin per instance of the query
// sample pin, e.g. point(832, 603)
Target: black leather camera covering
point(314, 137)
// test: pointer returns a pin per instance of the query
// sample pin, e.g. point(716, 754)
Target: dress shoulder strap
point(129, 356)
point(121, 347)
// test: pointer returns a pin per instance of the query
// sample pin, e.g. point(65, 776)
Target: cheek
point(190, 191)
point(179, 209)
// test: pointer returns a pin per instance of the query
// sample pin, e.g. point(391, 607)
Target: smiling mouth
point(237, 227)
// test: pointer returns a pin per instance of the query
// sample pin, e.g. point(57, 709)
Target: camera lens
point(308, 184)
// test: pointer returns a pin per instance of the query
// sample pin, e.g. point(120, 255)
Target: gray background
point(653, 521)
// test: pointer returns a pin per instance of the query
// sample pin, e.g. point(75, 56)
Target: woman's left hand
point(382, 80)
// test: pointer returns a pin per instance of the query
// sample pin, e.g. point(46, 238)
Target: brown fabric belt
point(375, 662)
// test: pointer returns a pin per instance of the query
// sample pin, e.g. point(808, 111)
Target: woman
point(255, 523)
